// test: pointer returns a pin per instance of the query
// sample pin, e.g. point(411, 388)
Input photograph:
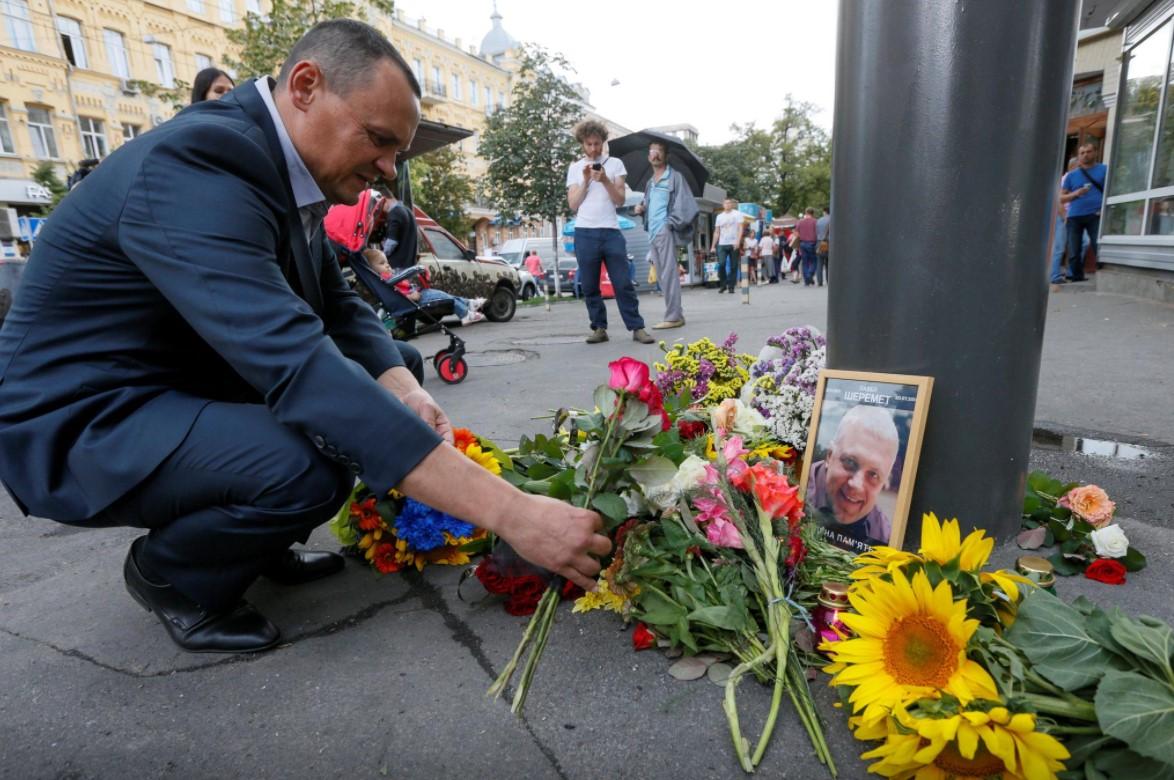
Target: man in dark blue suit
point(184, 356)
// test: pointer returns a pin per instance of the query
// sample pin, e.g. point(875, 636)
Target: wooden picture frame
point(859, 504)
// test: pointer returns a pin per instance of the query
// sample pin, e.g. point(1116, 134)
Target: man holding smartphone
point(1087, 184)
point(595, 187)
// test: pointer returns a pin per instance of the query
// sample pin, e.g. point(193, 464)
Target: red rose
point(642, 638)
point(1106, 570)
point(490, 578)
point(627, 374)
point(525, 593)
point(691, 429)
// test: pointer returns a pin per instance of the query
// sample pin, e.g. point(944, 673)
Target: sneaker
point(475, 304)
point(472, 316)
point(721, 290)
point(598, 336)
point(640, 335)
point(669, 324)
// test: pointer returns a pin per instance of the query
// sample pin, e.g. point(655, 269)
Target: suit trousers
point(236, 493)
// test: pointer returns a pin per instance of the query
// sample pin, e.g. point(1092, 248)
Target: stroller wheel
point(439, 356)
point(452, 370)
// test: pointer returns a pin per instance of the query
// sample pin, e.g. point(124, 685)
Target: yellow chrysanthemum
point(942, 542)
point(972, 744)
point(777, 451)
point(603, 597)
point(483, 458)
point(910, 643)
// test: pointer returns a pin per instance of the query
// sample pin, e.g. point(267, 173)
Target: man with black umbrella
point(669, 210)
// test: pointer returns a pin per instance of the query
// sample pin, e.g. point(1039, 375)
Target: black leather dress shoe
point(241, 629)
point(295, 567)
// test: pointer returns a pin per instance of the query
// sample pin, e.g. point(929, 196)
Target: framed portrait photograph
point(862, 453)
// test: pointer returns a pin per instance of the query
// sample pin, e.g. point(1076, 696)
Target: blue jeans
point(1059, 243)
point(1086, 223)
point(595, 247)
point(807, 255)
point(727, 267)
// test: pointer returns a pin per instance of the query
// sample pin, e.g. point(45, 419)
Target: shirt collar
point(305, 189)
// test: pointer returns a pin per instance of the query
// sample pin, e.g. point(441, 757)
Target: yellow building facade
point(66, 68)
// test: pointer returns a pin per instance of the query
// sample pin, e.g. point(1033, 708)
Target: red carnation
point(691, 429)
point(1106, 570)
point(642, 638)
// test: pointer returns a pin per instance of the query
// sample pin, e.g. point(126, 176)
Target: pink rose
point(628, 374)
point(1090, 503)
point(723, 533)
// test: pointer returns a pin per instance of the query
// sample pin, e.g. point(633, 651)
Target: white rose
point(689, 475)
point(747, 419)
point(1110, 541)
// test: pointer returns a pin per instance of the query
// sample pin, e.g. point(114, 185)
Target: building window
point(456, 87)
point(16, 19)
point(227, 12)
point(500, 100)
point(5, 131)
point(130, 131)
point(93, 137)
point(116, 53)
point(253, 7)
point(196, 6)
point(41, 133)
point(488, 99)
point(72, 41)
point(164, 71)
point(437, 86)
point(418, 70)
point(203, 61)
point(473, 91)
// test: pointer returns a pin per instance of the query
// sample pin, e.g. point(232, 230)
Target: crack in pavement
point(465, 636)
point(362, 616)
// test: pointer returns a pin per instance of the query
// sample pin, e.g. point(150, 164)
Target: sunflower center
point(920, 651)
point(956, 766)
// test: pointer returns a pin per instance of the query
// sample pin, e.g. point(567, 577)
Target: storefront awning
point(23, 192)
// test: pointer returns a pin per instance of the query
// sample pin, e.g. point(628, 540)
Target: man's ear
point(305, 84)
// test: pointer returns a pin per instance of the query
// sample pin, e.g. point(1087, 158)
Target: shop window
point(1125, 219)
point(1138, 114)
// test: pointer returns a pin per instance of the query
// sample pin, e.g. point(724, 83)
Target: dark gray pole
point(949, 128)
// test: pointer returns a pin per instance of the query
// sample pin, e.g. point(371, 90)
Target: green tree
point(441, 187)
point(45, 174)
point(528, 146)
point(264, 41)
point(802, 153)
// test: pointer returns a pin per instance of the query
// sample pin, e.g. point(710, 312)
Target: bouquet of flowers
point(392, 531)
point(782, 382)
point(1079, 520)
point(708, 373)
point(957, 673)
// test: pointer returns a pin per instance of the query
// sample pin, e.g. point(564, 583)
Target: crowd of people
point(799, 252)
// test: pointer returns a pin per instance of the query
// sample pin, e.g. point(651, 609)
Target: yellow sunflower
point(970, 745)
point(881, 560)
point(942, 542)
point(910, 643)
point(483, 458)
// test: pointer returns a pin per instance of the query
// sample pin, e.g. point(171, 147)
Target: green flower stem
point(1072, 730)
point(503, 679)
point(1068, 707)
point(545, 618)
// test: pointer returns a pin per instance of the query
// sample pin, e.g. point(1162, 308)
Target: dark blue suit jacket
point(178, 273)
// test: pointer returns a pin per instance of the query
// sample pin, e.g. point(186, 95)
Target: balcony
point(434, 92)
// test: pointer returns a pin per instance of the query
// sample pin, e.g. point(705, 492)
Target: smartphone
point(597, 166)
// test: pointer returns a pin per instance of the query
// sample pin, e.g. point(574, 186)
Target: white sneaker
point(471, 317)
point(475, 304)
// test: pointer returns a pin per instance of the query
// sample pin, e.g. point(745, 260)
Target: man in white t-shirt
point(595, 187)
point(766, 258)
point(727, 237)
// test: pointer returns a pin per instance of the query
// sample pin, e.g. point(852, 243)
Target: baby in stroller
point(425, 297)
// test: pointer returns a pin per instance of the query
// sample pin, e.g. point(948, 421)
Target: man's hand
point(557, 536)
point(587, 174)
point(638, 210)
point(600, 176)
point(420, 402)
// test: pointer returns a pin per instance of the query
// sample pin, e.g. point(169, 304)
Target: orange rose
point(1090, 504)
point(722, 416)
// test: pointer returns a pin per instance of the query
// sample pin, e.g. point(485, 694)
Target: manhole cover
point(499, 357)
point(552, 339)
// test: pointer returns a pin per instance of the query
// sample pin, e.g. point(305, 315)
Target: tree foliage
point(441, 188)
point(45, 174)
point(264, 41)
point(529, 146)
point(786, 168)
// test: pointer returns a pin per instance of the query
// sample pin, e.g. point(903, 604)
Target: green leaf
point(653, 471)
point(1052, 636)
point(727, 617)
point(604, 399)
point(656, 609)
point(1064, 566)
point(1133, 560)
point(1139, 711)
point(1121, 763)
point(612, 506)
point(1147, 638)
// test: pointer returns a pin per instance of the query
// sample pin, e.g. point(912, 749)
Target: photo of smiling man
point(862, 456)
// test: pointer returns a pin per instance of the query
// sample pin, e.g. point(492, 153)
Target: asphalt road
point(385, 677)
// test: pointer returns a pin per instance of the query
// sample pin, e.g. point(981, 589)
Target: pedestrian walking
point(807, 230)
point(823, 228)
point(1087, 186)
point(727, 237)
point(1060, 234)
point(766, 258)
point(595, 187)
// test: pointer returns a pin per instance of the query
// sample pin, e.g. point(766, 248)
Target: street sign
point(30, 227)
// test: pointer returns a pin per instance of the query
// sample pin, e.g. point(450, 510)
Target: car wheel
point(529, 291)
point(501, 305)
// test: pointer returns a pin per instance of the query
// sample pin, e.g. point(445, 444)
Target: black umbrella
point(632, 149)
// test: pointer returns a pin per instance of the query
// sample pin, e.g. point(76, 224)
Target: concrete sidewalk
point(385, 677)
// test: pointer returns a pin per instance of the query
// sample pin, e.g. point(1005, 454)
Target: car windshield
point(513, 258)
